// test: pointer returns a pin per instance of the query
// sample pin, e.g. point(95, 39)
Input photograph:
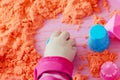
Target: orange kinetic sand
point(76, 10)
point(19, 20)
point(81, 68)
point(105, 5)
point(99, 20)
point(80, 77)
point(114, 12)
point(95, 61)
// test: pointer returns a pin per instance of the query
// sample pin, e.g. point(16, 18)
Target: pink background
point(55, 24)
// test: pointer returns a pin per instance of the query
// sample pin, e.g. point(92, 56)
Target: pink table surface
point(55, 24)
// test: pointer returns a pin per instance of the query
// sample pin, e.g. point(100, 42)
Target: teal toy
point(98, 38)
point(48, 40)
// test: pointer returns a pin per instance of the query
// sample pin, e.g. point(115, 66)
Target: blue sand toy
point(48, 40)
point(98, 38)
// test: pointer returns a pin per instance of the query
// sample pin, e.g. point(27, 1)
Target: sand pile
point(19, 20)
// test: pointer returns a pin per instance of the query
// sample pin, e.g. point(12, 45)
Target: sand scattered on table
point(95, 60)
point(19, 20)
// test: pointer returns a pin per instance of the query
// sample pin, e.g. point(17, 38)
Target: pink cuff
point(49, 78)
point(53, 64)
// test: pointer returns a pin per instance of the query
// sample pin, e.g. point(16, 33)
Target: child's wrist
point(68, 57)
point(53, 64)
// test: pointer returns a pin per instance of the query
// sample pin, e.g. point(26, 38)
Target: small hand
point(61, 45)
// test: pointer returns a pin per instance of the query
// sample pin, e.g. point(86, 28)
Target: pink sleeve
point(49, 78)
point(54, 76)
point(58, 65)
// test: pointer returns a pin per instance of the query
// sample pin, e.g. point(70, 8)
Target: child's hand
point(61, 45)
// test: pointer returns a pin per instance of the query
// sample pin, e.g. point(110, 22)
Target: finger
point(72, 42)
point(74, 49)
point(65, 35)
point(55, 34)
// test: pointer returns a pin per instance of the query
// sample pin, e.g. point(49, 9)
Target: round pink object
point(109, 71)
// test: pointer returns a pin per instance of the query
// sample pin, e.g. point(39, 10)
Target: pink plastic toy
point(113, 26)
point(109, 71)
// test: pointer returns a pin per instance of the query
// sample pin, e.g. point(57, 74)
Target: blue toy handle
point(48, 40)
